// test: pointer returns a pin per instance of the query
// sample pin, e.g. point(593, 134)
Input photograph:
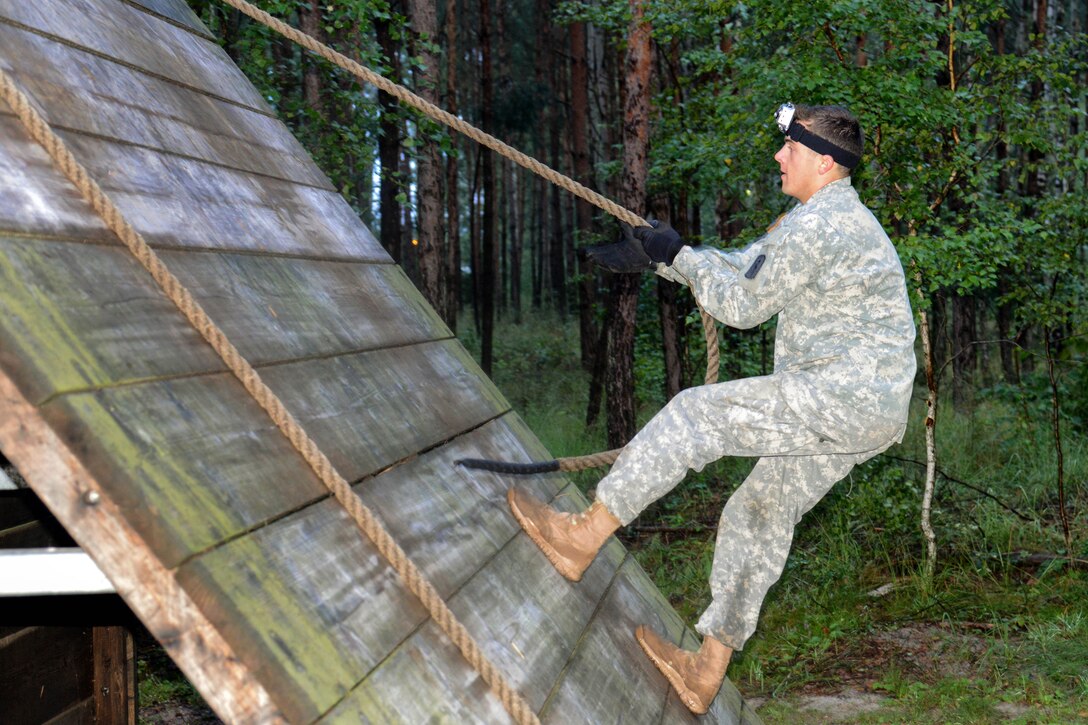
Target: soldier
point(843, 373)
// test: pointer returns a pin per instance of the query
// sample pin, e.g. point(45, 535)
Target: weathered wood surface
point(175, 12)
point(114, 676)
point(37, 198)
point(609, 664)
point(205, 519)
point(85, 316)
point(119, 102)
point(115, 29)
point(67, 673)
point(527, 629)
point(196, 461)
point(323, 608)
point(45, 671)
point(175, 201)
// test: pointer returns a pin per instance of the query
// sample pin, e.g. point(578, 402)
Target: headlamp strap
point(800, 134)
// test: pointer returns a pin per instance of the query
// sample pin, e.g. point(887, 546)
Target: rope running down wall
point(366, 520)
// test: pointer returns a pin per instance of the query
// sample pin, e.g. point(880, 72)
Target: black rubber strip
point(518, 469)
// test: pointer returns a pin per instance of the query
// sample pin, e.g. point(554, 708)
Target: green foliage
point(161, 685)
point(947, 116)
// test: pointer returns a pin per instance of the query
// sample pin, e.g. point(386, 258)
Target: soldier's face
point(800, 167)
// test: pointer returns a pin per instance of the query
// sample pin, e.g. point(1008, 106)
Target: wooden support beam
point(77, 499)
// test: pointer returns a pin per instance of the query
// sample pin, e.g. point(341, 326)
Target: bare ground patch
point(850, 681)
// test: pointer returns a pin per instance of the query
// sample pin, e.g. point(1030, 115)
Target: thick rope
point(576, 463)
point(607, 458)
point(713, 360)
point(426, 107)
point(413, 578)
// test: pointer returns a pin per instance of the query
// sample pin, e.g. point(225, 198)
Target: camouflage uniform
point(843, 372)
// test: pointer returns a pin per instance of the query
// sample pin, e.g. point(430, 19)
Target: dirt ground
point(847, 687)
point(839, 693)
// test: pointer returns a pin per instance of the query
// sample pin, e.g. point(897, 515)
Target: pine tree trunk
point(579, 135)
point(488, 251)
point(475, 258)
point(669, 311)
point(964, 360)
point(452, 304)
point(623, 297)
point(559, 238)
point(429, 249)
point(517, 206)
point(389, 148)
point(310, 23)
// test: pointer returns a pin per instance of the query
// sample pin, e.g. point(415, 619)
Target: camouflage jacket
point(844, 344)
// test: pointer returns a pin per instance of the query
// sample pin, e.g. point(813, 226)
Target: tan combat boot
point(696, 676)
point(570, 541)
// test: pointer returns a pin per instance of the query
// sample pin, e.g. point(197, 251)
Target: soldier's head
point(822, 144)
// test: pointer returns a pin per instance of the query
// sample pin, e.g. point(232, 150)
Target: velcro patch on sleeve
point(756, 266)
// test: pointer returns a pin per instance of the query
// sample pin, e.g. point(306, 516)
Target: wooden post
point(114, 654)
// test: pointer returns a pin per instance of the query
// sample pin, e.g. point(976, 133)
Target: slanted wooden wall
point(199, 511)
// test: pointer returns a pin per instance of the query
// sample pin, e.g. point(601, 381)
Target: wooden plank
point(527, 620)
point(37, 198)
point(43, 672)
point(86, 93)
point(114, 676)
point(192, 462)
point(425, 680)
point(77, 499)
point(276, 309)
point(180, 202)
point(609, 666)
point(130, 35)
point(309, 603)
point(372, 410)
point(451, 519)
point(526, 617)
point(76, 316)
point(196, 461)
point(177, 11)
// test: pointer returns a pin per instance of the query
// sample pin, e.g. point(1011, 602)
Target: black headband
point(800, 134)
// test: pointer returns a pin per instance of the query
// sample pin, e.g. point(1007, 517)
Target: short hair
point(834, 124)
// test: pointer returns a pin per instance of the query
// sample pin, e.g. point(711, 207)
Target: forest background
point(945, 581)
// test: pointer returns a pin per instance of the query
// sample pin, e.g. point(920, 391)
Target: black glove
point(660, 241)
point(626, 255)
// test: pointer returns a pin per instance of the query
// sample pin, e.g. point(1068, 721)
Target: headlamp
point(784, 116)
point(795, 131)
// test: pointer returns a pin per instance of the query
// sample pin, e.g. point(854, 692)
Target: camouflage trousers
point(797, 466)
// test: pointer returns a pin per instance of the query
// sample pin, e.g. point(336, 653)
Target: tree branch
point(833, 44)
point(965, 484)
